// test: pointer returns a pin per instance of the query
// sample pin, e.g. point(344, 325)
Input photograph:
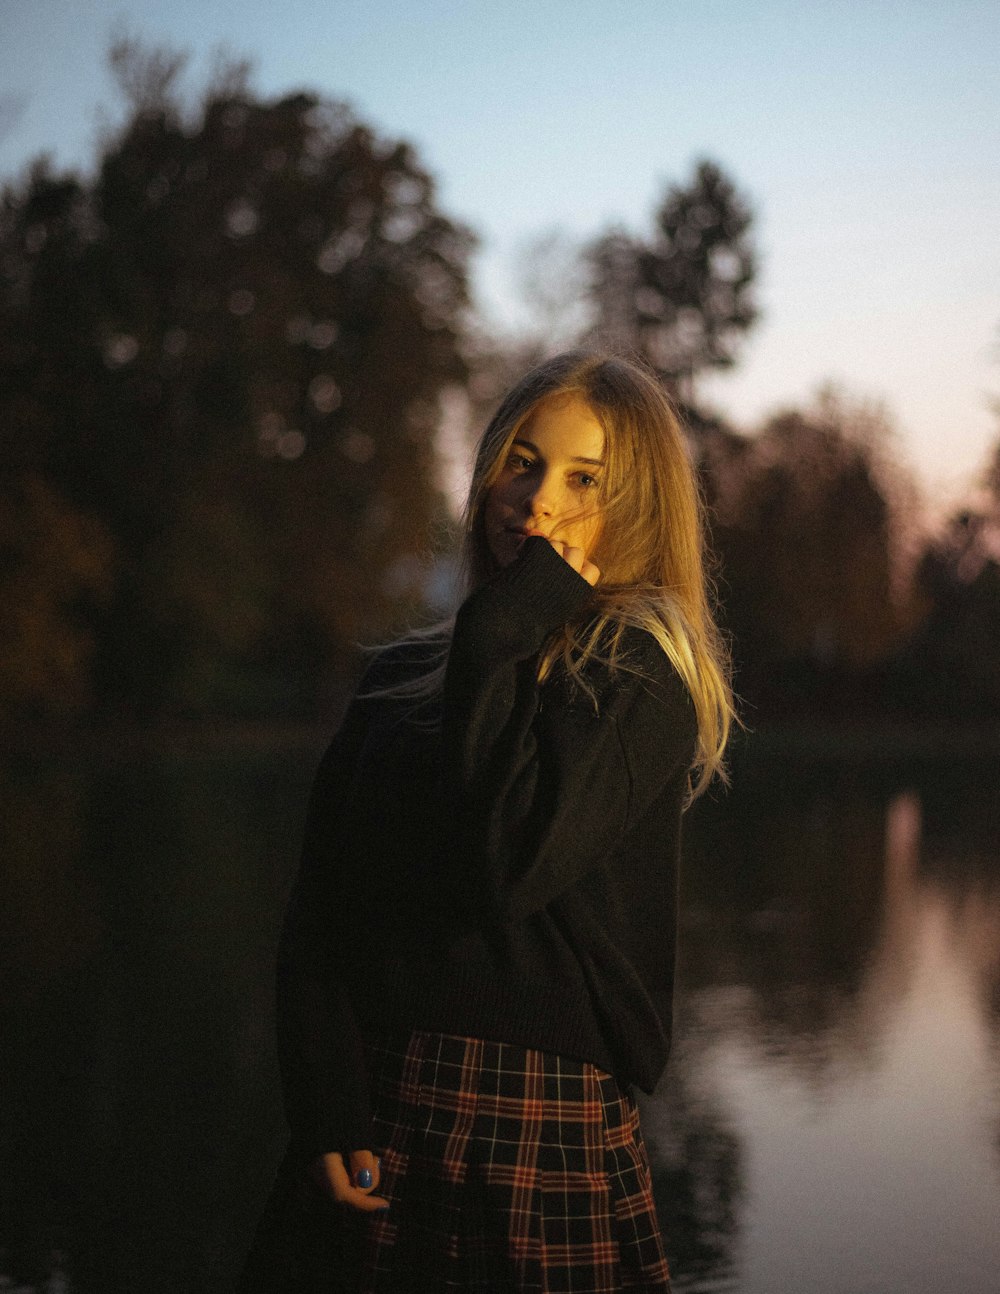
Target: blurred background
point(262, 279)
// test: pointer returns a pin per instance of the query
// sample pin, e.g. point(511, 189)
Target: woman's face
point(550, 483)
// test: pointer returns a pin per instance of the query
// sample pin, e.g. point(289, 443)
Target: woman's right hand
point(343, 1182)
point(577, 558)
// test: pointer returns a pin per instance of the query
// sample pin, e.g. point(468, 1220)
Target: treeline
point(224, 358)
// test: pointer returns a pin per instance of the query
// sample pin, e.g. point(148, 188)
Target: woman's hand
point(352, 1188)
point(577, 558)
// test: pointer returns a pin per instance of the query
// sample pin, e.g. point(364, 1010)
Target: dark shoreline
point(813, 741)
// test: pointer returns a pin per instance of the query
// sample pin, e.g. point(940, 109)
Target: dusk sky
point(865, 135)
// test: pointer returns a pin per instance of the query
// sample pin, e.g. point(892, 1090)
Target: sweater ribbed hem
point(548, 589)
point(475, 1002)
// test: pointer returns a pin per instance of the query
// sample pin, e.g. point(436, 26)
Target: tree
point(227, 347)
point(952, 664)
point(56, 564)
point(807, 524)
point(684, 299)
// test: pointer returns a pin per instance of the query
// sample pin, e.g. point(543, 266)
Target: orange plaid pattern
point(507, 1170)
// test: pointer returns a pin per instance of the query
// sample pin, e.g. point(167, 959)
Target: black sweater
point(504, 867)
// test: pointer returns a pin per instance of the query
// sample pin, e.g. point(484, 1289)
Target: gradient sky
point(866, 135)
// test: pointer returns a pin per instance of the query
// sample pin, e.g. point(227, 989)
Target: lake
point(830, 1120)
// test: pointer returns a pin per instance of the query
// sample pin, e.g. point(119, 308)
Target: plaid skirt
point(507, 1170)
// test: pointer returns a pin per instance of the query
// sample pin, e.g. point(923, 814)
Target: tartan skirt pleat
point(508, 1171)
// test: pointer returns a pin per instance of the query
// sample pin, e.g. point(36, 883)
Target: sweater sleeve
point(320, 1052)
point(544, 791)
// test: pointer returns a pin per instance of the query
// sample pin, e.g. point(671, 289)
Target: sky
point(865, 135)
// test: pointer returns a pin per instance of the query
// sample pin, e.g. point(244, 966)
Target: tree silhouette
point(806, 526)
point(684, 299)
point(952, 664)
point(226, 349)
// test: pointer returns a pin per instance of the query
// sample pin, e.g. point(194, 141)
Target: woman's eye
point(587, 481)
point(520, 462)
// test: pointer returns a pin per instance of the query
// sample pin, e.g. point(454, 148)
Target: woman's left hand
point(355, 1188)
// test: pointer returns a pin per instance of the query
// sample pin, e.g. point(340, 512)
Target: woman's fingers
point(590, 573)
point(364, 1169)
point(332, 1174)
point(577, 558)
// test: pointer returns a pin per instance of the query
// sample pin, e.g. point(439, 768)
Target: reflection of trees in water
point(140, 905)
point(697, 1173)
point(783, 904)
point(144, 1106)
point(961, 862)
point(781, 909)
point(973, 916)
point(802, 909)
point(50, 929)
point(807, 909)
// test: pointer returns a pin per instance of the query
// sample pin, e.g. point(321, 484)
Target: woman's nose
point(539, 500)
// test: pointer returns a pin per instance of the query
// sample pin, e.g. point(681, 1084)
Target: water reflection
point(139, 931)
point(830, 1120)
point(841, 970)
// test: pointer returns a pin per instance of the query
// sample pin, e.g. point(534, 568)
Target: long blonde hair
point(650, 550)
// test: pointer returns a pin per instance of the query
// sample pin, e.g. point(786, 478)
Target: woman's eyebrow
point(576, 458)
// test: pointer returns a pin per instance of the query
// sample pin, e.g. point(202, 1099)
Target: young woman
point(478, 961)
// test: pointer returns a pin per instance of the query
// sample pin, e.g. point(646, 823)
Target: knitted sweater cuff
point(529, 599)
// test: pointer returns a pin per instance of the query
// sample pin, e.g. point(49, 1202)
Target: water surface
point(830, 1120)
